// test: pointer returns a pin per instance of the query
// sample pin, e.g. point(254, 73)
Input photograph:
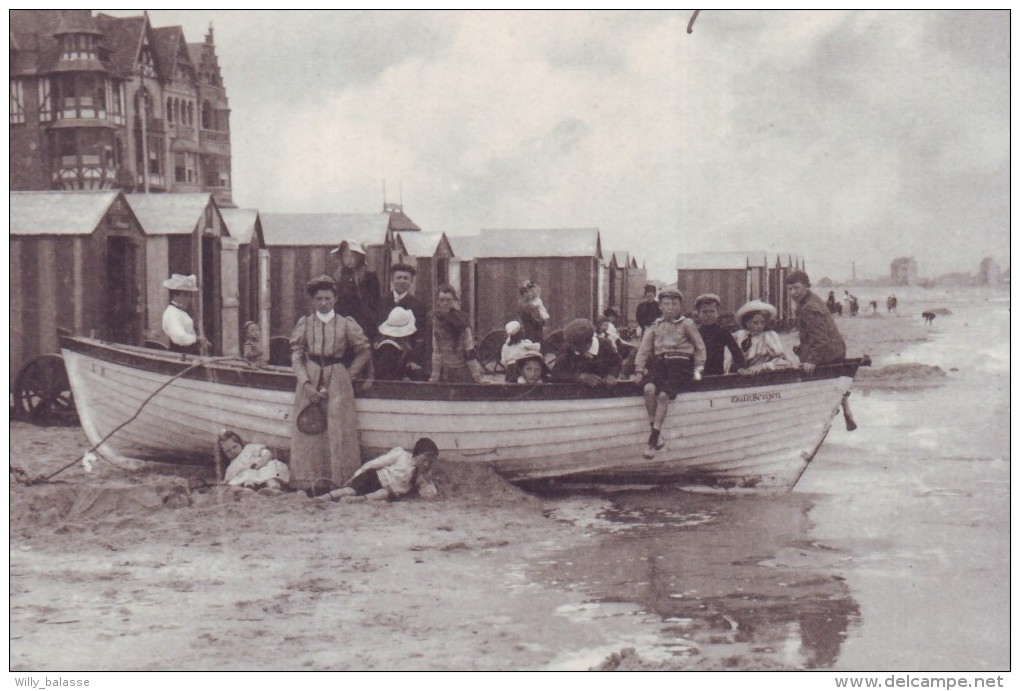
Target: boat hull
point(743, 434)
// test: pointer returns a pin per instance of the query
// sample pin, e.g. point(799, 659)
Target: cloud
point(843, 136)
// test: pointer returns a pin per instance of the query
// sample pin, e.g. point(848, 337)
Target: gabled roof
point(170, 214)
point(32, 32)
point(123, 37)
point(324, 230)
point(621, 257)
point(756, 259)
point(243, 224)
point(58, 213)
point(419, 244)
point(527, 242)
point(167, 42)
point(712, 260)
point(400, 221)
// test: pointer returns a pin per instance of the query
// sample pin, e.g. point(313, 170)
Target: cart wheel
point(490, 350)
point(551, 345)
point(42, 393)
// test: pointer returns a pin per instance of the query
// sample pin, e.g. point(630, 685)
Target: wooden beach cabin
point(77, 263)
point(245, 226)
point(185, 234)
point(626, 285)
point(430, 254)
point(567, 262)
point(300, 248)
point(727, 274)
point(784, 263)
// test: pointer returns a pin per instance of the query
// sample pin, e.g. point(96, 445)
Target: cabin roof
point(241, 223)
point(419, 244)
point(169, 214)
point(325, 230)
point(527, 242)
point(701, 261)
point(58, 213)
point(757, 259)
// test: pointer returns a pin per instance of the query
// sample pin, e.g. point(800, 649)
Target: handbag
point(312, 420)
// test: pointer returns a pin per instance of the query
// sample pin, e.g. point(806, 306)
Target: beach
point(891, 553)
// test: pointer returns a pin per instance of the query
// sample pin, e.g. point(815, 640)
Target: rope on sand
point(22, 477)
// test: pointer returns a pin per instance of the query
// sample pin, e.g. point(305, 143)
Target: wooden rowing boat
point(729, 433)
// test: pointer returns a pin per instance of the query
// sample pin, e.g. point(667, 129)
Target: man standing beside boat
point(820, 340)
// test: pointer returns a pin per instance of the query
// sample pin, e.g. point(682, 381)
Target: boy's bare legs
point(338, 494)
point(658, 415)
point(650, 402)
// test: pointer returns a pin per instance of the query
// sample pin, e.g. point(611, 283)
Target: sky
point(850, 138)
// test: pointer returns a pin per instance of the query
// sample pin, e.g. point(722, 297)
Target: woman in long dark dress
point(358, 290)
point(319, 342)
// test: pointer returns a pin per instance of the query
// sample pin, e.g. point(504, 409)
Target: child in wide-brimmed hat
point(392, 358)
point(671, 355)
point(515, 348)
point(761, 347)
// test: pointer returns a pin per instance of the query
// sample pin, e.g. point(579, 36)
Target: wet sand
point(892, 552)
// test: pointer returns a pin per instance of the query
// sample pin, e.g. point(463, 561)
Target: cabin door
point(230, 303)
point(209, 282)
point(121, 297)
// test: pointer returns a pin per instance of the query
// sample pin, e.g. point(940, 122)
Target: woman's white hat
point(754, 306)
point(512, 328)
point(353, 246)
point(182, 282)
point(519, 351)
point(398, 324)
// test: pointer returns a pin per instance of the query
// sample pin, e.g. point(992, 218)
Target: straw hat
point(180, 282)
point(353, 246)
point(522, 351)
point(754, 306)
point(398, 324)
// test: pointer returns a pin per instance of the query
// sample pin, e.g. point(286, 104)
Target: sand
point(145, 568)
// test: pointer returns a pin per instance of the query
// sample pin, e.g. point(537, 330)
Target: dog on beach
point(929, 317)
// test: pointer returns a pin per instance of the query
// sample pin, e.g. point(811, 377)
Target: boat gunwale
point(283, 379)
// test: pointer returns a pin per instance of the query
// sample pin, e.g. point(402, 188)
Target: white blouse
point(764, 352)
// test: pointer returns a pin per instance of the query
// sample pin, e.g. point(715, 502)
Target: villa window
point(17, 111)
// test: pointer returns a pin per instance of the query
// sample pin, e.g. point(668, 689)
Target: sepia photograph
point(499, 341)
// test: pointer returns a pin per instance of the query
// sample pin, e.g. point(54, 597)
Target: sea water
point(892, 553)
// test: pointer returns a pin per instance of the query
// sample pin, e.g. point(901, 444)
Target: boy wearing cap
point(647, 311)
point(671, 355)
point(717, 339)
point(585, 357)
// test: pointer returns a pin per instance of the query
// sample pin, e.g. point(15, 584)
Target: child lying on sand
point(392, 475)
point(251, 465)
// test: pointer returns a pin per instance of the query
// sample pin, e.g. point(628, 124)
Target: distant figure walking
point(929, 317)
point(874, 306)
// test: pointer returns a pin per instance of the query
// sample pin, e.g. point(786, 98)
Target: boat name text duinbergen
point(766, 397)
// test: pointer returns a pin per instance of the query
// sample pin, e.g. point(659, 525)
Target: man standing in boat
point(820, 340)
point(401, 295)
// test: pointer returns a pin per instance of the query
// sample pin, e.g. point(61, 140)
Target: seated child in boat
point(251, 465)
point(392, 475)
point(671, 355)
point(718, 339)
point(532, 369)
point(393, 353)
point(253, 345)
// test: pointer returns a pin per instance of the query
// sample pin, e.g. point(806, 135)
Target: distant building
point(989, 273)
point(101, 102)
point(903, 271)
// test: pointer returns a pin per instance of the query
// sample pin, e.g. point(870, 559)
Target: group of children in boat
point(341, 341)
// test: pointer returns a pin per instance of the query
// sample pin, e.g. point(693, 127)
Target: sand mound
point(940, 310)
point(57, 503)
point(901, 375)
point(476, 482)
